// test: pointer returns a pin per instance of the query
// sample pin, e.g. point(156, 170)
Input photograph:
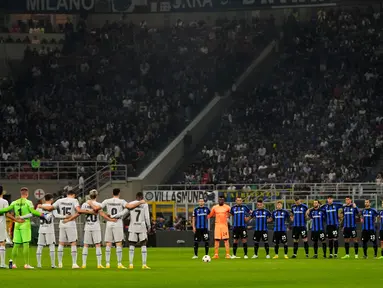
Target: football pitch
point(173, 267)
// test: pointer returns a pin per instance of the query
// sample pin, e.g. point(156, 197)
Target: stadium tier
point(121, 91)
point(316, 118)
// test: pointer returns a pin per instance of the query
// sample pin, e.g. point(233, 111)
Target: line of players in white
point(113, 210)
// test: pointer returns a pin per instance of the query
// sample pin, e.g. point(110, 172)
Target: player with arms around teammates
point(317, 228)
point(280, 216)
point(368, 228)
point(92, 229)
point(114, 232)
point(3, 227)
point(261, 216)
point(240, 215)
point(350, 212)
point(221, 212)
point(200, 227)
point(298, 216)
point(69, 209)
point(331, 210)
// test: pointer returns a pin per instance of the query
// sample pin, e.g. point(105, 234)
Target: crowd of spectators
point(317, 118)
point(120, 91)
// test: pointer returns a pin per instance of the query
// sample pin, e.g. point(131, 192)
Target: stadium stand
point(120, 91)
point(316, 119)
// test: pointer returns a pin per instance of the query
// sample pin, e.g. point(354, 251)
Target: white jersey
point(92, 222)
point(139, 218)
point(66, 206)
point(114, 206)
point(46, 226)
point(3, 204)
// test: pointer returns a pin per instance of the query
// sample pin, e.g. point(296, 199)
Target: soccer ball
point(206, 259)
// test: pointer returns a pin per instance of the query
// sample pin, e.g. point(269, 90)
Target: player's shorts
point(221, 232)
point(92, 237)
point(201, 235)
point(368, 235)
point(114, 234)
point(299, 232)
point(239, 232)
point(349, 233)
point(21, 236)
point(381, 235)
point(135, 237)
point(261, 235)
point(318, 236)
point(68, 234)
point(332, 232)
point(46, 239)
point(280, 237)
point(3, 233)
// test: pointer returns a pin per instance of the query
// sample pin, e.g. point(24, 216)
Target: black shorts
point(332, 232)
point(239, 232)
point(261, 235)
point(318, 236)
point(299, 232)
point(280, 237)
point(349, 233)
point(368, 235)
point(201, 235)
point(381, 235)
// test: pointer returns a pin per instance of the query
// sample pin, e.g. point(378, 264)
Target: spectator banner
point(181, 196)
point(162, 6)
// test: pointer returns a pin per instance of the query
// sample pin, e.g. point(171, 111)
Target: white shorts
point(137, 237)
point(68, 234)
point(46, 239)
point(3, 233)
point(114, 234)
point(92, 237)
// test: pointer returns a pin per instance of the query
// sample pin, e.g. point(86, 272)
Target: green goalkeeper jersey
point(22, 207)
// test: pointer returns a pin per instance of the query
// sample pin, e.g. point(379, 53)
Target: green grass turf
point(173, 267)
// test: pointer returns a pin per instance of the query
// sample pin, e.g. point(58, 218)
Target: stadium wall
point(12, 187)
point(165, 164)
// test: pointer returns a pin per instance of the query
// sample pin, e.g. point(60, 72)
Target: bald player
point(221, 212)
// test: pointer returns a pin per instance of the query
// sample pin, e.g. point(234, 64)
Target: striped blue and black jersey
point(200, 215)
point(318, 216)
point(349, 216)
point(260, 219)
point(299, 213)
point(331, 211)
point(381, 220)
point(280, 217)
point(369, 217)
point(239, 213)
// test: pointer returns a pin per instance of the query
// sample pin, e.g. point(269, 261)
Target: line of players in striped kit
point(326, 221)
point(113, 210)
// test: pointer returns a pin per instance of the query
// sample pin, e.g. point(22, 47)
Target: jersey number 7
point(138, 214)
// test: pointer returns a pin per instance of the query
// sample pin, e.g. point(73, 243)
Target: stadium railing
point(49, 170)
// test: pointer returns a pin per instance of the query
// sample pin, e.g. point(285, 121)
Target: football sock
point(347, 248)
point(295, 248)
point(286, 249)
point(107, 254)
point(235, 246)
point(216, 247)
point(60, 252)
point(52, 254)
point(15, 251)
point(227, 247)
point(26, 253)
point(306, 246)
point(206, 248)
point(119, 254)
point(74, 255)
point(336, 246)
point(38, 255)
point(2, 256)
point(98, 255)
point(276, 249)
point(196, 248)
point(131, 254)
point(84, 255)
point(144, 254)
point(324, 248)
point(315, 247)
point(356, 248)
point(245, 248)
point(267, 248)
point(256, 247)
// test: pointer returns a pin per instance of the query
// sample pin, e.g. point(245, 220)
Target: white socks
point(84, 255)
point(74, 255)
point(107, 254)
point(60, 252)
point(98, 255)
point(144, 255)
point(52, 255)
point(119, 254)
point(2, 256)
point(131, 254)
point(38, 255)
